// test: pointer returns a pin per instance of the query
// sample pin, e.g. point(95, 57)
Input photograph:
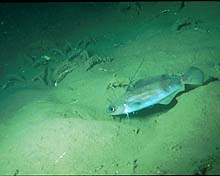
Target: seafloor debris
point(131, 7)
point(176, 147)
point(16, 172)
point(41, 77)
point(99, 168)
point(43, 60)
point(186, 23)
point(205, 165)
point(86, 42)
point(182, 5)
point(51, 65)
point(183, 25)
point(135, 165)
point(95, 60)
point(61, 72)
point(159, 170)
point(136, 130)
point(12, 80)
point(7, 84)
point(51, 75)
point(113, 85)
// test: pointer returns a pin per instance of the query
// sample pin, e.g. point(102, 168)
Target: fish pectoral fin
point(168, 99)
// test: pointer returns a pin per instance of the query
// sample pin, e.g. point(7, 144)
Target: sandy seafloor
point(62, 127)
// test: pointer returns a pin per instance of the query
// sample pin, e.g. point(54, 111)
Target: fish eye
point(112, 108)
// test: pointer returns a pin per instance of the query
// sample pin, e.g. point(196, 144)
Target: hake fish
point(157, 90)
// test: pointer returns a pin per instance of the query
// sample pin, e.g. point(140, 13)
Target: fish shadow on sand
point(158, 109)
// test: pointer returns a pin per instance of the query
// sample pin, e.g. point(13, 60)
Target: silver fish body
point(158, 90)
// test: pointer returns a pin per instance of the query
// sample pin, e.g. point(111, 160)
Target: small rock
point(176, 148)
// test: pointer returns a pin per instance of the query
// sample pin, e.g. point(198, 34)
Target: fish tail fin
point(193, 76)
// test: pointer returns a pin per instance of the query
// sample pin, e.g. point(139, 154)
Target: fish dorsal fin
point(144, 82)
